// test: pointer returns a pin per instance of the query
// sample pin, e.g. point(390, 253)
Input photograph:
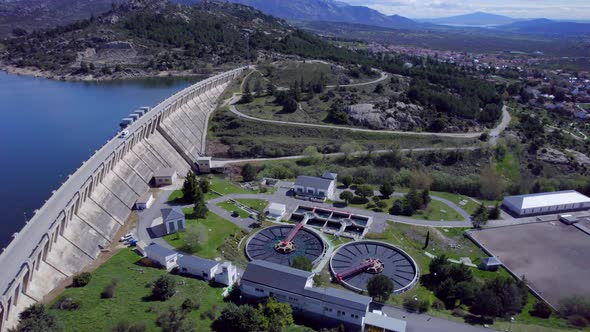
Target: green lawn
point(470, 207)
point(230, 207)
point(436, 210)
point(218, 184)
point(96, 314)
point(256, 204)
point(509, 167)
point(219, 229)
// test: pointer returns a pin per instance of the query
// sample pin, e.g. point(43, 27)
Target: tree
point(347, 181)
point(413, 199)
point(246, 94)
point(36, 318)
point(492, 184)
point(364, 191)
point(258, 90)
point(277, 315)
point(174, 320)
point(163, 288)
point(196, 237)
point(270, 89)
point(425, 196)
point(242, 318)
point(386, 190)
point(82, 279)
point(380, 287)
point(397, 208)
point(311, 155)
point(337, 114)
point(200, 209)
point(494, 213)
point(204, 185)
point(480, 216)
point(486, 304)
point(346, 196)
point(541, 310)
point(379, 88)
point(189, 187)
point(301, 263)
point(349, 149)
point(290, 105)
point(248, 172)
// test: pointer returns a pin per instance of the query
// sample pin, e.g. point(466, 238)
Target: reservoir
point(48, 128)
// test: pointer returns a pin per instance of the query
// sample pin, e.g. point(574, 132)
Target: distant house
point(264, 279)
point(145, 201)
point(223, 273)
point(173, 219)
point(321, 188)
point(162, 256)
point(165, 177)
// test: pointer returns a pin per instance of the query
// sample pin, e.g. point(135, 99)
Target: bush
point(577, 321)
point(438, 305)
point(67, 303)
point(82, 279)
point(125, 326)
point(163, 288)
point(190, 305)
point(109, 290)
point(413, 304)
point(541, 310)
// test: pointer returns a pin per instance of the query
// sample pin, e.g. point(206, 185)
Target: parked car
point(126, 237)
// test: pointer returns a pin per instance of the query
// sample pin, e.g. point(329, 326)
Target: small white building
point(223, 273)
point(173, 219)
point(162, 256)
point(322, 187)
point(276, 210)
point(165, 177)
point(145, 201)
point(546, 203)
point(379, 322)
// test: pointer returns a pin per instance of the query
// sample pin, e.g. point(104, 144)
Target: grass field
point(96, 314)
point(256, 204)
point(219, 229)
point(436, 210)
point(509, 167)
point(218, 184)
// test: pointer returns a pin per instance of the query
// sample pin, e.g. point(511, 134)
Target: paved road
point(426, 323)
point(495, 133)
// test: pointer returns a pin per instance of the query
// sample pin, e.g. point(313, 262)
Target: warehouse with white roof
point(546, 203)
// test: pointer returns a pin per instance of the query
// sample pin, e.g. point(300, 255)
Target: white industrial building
point(224, 273)
point(162, 256)
point(145, 201)
point(546, 203)
point(276, 210)
point(314, 187)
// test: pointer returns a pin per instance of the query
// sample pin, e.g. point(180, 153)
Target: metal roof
point(313, 182)
point(329, 175)
point(491, 261)
point(339, 297)
point(159, 250)
point(172, 213)
point(384, 322)
point(276, 276)
point(197, 262)
point(539, 200)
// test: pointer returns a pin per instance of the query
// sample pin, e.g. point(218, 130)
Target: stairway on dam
point(91, 219)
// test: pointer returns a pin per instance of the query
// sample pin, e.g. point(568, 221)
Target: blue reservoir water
point(47, 128)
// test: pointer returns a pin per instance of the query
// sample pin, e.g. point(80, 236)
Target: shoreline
point(120, 76)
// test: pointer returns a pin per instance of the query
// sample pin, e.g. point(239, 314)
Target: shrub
point(541, 310)
point(164, 288)
point(413, 304)
point(82, 279)
point(577, 321)
point(438, 305)
point(190, 305)
point(458, 312)
point(125, 326)
point(67, 303)
point(109, 290)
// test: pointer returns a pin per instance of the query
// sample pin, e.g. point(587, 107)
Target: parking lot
point(553, 257)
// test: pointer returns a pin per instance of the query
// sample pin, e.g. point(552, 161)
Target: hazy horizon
point(554, 9)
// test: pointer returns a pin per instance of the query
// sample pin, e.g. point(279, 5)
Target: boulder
point(401, 117)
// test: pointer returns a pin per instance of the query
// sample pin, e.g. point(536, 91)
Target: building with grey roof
point(264, 279)
point(164, 257)
point(314, 187)
point(223, 273)
point(165, 176)
point(375, 322)
point(546, 203)
point(173, 219)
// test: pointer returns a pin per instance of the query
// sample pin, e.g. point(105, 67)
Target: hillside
point(472, 19)
point(154, 37)
point(326, 10)
point(42, 14)
point(548, 27)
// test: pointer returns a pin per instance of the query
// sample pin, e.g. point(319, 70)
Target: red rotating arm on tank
point(355, 269)
point(292, 233)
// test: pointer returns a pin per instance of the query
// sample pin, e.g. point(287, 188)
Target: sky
point(553, 9)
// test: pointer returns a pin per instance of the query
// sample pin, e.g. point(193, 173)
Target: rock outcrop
point(401, 117)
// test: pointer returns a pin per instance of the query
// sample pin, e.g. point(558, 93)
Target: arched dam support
point(86, 212)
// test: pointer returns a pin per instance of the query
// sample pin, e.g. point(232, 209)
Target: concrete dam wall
point(86, 212)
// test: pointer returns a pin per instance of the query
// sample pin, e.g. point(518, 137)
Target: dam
point(83, 216)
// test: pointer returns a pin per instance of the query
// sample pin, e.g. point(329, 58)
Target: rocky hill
point(156, 37)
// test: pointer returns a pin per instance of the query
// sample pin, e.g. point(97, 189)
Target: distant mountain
point(40, 14)
point(548, 27)
point(327, 11)
point(478, 19)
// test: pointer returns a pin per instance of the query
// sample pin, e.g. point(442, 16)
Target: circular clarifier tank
point(355, 263)
point(269, 245)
